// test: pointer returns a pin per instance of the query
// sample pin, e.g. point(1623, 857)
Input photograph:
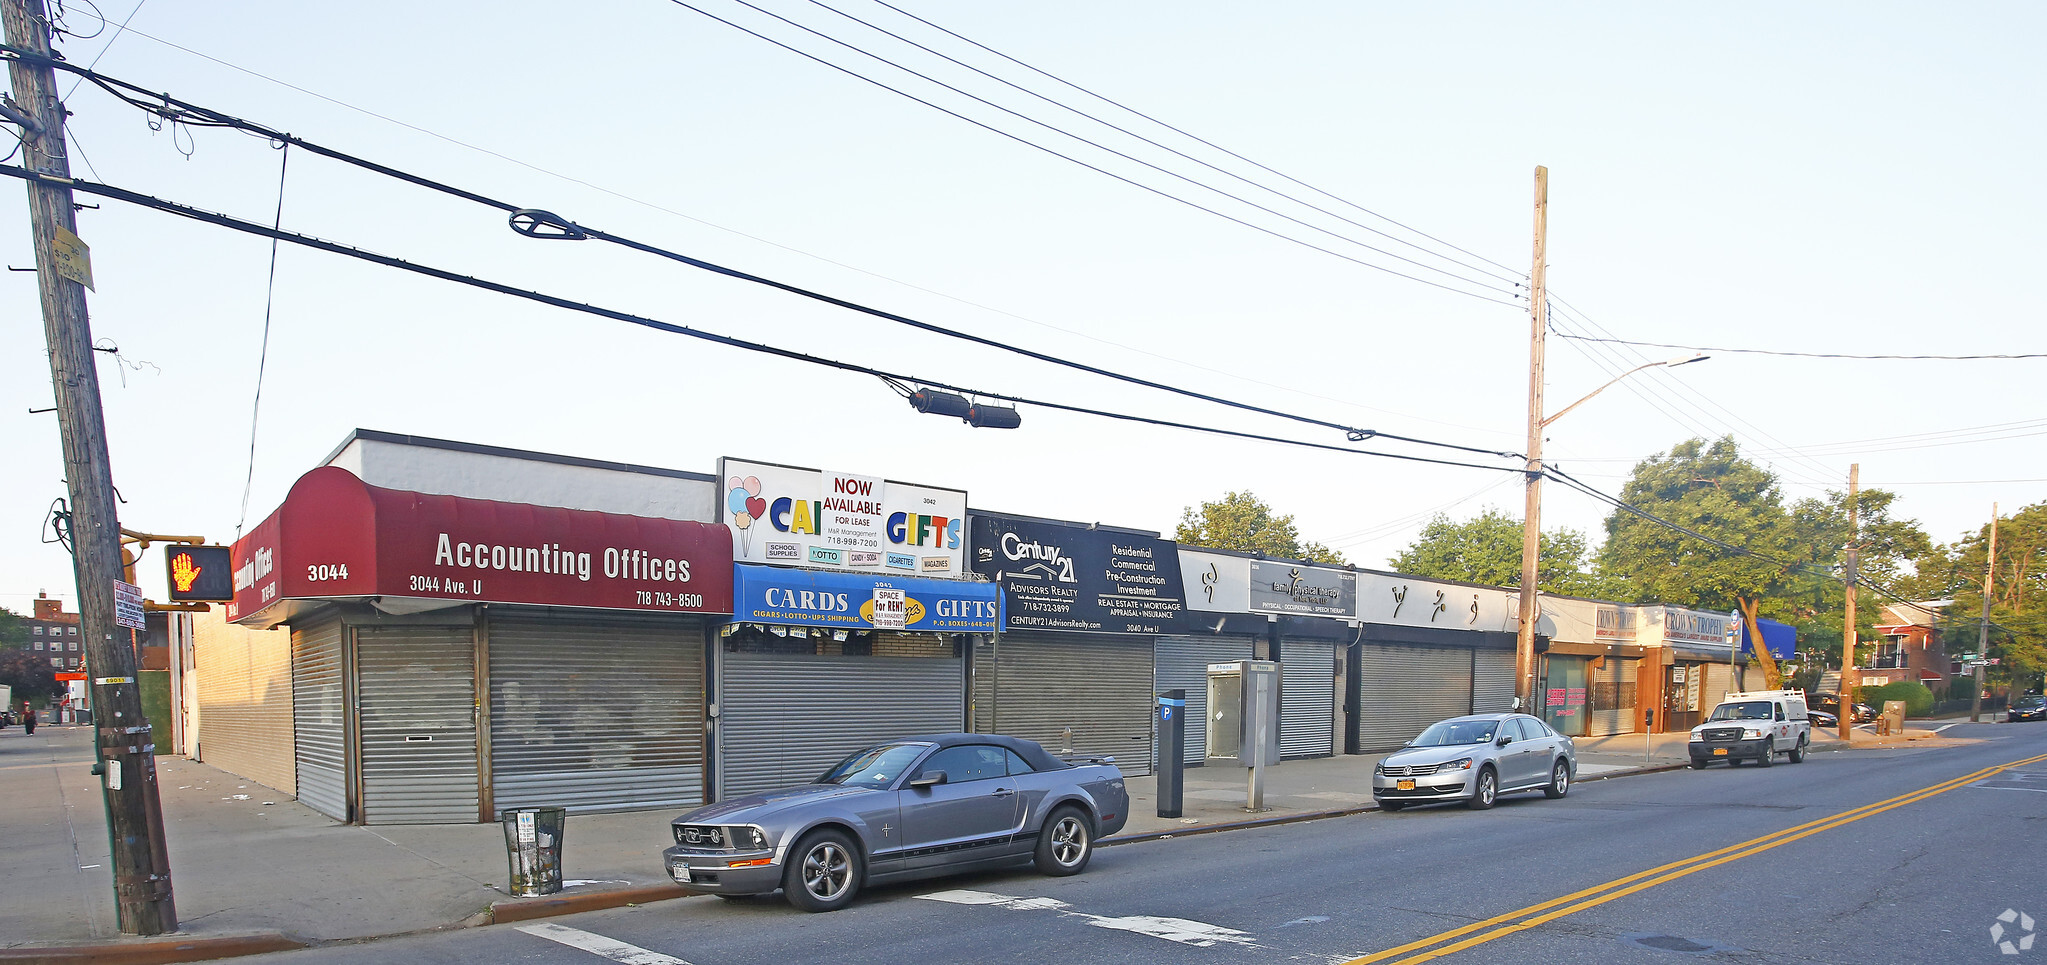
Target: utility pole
point(1531, 519)
point(141, 870)
point(1847, 715)
point(1983, 626)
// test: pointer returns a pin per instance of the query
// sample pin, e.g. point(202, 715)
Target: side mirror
point(1504, 740)
point(928, 780)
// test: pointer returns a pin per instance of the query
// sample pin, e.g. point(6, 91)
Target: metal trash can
point(533, 846)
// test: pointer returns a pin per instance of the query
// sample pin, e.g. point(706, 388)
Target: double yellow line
point(1454, 940)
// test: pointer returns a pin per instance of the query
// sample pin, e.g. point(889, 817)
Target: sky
point(1856, 178)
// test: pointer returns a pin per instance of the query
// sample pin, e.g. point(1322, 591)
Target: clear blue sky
point(1846, 177)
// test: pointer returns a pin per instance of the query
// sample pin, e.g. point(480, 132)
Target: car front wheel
point(1486, 792)
point(1769, 754)
point(823, 872)
point(1798, 753)
point(1559, 781)
point(1066, 843)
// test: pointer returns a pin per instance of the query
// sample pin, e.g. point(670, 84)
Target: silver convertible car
point(907, 808)
point(1476, 759)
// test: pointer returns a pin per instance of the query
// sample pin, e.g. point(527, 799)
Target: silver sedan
point(1476, 759)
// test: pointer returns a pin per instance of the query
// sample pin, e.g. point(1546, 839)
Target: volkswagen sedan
point(1476, 759)
point(910, 808)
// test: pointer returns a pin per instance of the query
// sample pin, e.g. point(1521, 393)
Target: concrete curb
point(152, 951)
point(528, 909)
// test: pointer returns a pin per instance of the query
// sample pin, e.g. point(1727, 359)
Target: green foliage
point(29, 673)
point(1961, 688)
point(1712, 490)
point(1242, 521)
point(13, 630)
point(1887, 549)
point(2018, 600)
point(1918, 697)
point(1487, 549)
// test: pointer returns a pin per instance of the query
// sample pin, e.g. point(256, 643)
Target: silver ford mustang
point(907, 808)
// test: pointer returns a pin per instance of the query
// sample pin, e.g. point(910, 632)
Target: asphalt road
point(1896, 877)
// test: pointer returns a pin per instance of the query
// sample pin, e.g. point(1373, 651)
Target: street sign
point(128, 606)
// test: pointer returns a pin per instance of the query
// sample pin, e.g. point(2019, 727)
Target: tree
point(13, 630)
point(1711, 490)
point(2018, 599)
point(1487, 549)
point(1887, 552)
point(1242, 521)
point(29, 673)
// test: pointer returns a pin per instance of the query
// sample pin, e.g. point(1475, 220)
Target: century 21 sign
point(199, 574)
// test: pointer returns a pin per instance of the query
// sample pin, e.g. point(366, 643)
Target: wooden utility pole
point(141, 871)
point(1531, 520)
point(1983, 626)
point(1847, 721)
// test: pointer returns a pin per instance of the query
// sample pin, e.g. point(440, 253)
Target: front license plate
point(681, 873)
point(1404, 785)
point(1719, 752)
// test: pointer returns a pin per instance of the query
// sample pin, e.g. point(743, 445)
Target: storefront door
point(1564, 705)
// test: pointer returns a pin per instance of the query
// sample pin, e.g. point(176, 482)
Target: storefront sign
point(1615, 623)
point(1215, 582)
point(1391, 598)
point(338, 538)
point(1304, 590)
point(841, 521)
point(1695, 627)
point(816, 598)
point(1065, 578)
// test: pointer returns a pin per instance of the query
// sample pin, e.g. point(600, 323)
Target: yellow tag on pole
point(74, 258)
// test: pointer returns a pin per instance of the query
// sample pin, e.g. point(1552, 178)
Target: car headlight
point(1751, 733)
point(1460, 764)
point(1379, 767)
point(1696, 736)
point(753, 838)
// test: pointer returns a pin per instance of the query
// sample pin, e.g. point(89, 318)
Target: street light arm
point(1683, 360)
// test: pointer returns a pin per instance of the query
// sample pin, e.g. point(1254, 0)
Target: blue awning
point(821, 598)
point(1781, 637)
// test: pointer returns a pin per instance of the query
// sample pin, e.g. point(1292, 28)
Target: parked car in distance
point(2030, 707)
point(910, 808)
point(1754, 726)
point(1476, 759)
point(1831, 703)
point(1821, 720)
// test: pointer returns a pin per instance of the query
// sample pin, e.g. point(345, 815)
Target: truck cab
point(1753, 726)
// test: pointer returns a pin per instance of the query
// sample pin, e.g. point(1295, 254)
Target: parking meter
point(1172, 730)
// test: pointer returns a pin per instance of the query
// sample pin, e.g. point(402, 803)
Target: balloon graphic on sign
point(743, 501)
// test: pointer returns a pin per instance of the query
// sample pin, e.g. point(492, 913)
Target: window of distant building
point(39, 644)
point(56, 661)
point(71, 630)
point(39, 630)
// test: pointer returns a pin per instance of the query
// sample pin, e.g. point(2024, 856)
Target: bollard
point(533, 846)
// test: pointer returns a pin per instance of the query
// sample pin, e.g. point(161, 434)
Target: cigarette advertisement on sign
point(789, 516)
point(1066, 578)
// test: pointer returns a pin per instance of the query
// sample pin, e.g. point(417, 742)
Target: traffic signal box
point(200, 574)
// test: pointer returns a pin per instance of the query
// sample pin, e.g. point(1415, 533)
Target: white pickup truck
point(1753, 726)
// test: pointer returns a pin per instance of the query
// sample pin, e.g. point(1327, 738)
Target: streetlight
point(1531, 524)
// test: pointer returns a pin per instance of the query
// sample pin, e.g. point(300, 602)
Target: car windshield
point(1447, 733)
point(877, 766)
point(2028, 703)
point(1746, 710)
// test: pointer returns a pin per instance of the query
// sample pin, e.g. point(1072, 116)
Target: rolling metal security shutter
point(1405, 689)
point(1307, 698)
point(1096, 687)
point(318, 718)
point(241, 680)
point(1492, 681)
point(1618, 676)
point(1719, 680)
point(1182, 662)
point(785, 718)
point(595, 713)
point(416, 694)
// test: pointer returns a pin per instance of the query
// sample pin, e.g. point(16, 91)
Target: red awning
point(338, 538)
point(1930, 675)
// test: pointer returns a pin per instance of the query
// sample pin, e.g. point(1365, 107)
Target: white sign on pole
point(890, 609)
point(128, 606)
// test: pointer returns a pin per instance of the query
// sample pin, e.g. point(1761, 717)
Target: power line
point(1813, 355)
point(1516, 281)
point(1515, 273)
point(186, 112)
point(253, 228)
point(1095, 168)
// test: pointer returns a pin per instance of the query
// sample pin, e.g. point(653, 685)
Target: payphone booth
point(1243, 720)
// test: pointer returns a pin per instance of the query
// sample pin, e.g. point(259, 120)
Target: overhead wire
point(188, 113)
point(1817, 355)
point(685, 4)
point(1513, 272)
point(253, 228)
point(1517, 281)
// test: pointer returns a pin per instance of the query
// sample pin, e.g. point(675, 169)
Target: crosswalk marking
point(599, 945)
point(1184, 931)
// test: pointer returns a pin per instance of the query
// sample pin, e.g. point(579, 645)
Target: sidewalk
point(254, 870)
